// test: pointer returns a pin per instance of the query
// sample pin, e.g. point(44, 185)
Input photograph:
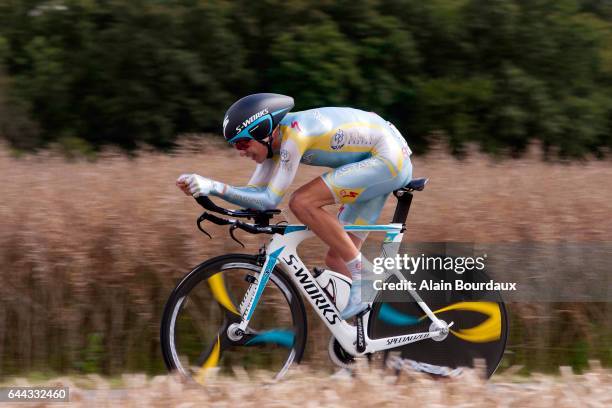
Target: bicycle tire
point(480, 328)
point(183, 315)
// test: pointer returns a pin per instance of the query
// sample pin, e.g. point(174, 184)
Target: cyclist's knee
point(299, 203)
point(296, 204)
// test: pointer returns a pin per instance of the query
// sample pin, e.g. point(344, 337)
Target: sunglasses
point(242, 144)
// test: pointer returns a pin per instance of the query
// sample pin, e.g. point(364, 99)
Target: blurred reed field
point(309, 388)
point(90, 249)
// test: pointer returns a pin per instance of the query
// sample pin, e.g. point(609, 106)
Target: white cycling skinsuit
point(369, 157)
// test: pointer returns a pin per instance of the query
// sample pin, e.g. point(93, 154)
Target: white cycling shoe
point(354, 305)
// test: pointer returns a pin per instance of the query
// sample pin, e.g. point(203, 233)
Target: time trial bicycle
point(247, 310)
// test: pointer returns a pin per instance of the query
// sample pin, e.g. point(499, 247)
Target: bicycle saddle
point(415, 184)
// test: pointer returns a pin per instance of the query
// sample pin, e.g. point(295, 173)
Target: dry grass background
point(307, 388)
point(91, 249)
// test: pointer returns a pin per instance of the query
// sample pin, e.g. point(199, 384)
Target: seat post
point(404, 199)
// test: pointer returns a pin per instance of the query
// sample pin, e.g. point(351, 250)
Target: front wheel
point(197, 330)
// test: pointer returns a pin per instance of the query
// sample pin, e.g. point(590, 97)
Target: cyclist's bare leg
point(336, 263)
point(307, 204)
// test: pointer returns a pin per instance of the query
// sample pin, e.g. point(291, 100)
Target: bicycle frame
point(282, 251)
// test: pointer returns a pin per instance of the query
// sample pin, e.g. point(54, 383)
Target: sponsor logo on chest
point(350, 138)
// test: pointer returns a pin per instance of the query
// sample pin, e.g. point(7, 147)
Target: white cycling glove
point(195, 184)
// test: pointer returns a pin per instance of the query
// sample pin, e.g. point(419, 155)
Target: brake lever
point(200, 219)
point(231, 231)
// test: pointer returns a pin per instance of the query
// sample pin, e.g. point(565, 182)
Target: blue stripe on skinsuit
point(366, 227)
point(317, 157)
point(376, 178)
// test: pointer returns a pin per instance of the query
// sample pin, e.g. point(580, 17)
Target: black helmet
point(255, 116)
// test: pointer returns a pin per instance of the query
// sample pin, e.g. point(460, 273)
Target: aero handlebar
point(261, 218)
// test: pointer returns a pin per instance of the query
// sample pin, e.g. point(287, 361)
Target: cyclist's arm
point(259, 194)
point(262, 174)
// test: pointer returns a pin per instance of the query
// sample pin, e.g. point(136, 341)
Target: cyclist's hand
point(183, 184)
point(195, 184)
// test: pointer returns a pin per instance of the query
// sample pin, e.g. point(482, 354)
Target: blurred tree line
point(496, 72)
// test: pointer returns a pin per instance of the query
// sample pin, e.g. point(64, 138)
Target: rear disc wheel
point(479, 329)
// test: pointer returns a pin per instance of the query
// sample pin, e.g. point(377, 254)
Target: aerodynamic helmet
point(255, 116)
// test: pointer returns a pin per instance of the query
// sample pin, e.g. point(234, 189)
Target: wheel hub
point(234, 332)
point(442, 326)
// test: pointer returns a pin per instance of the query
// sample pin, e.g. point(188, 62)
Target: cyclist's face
point(252, 150)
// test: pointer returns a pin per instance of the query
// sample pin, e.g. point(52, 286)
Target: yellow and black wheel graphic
point(479, 330)
point(200, 331)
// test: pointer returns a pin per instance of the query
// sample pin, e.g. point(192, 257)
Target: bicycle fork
point(251, 297)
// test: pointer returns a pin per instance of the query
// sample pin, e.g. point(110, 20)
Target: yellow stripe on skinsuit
point(219, 290)
point(361, 221)
point(400, 161)
point(489, 330)
point(322, 141)
point(392, 169)
point(211, 361)
point(288, 133)
point(279, 193)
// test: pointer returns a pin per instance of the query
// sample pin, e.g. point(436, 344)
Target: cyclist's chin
point(258, 159)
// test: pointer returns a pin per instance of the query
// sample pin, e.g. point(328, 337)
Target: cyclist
point(368, 155)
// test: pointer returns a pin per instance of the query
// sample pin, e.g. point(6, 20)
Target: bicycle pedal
point(250, 278)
